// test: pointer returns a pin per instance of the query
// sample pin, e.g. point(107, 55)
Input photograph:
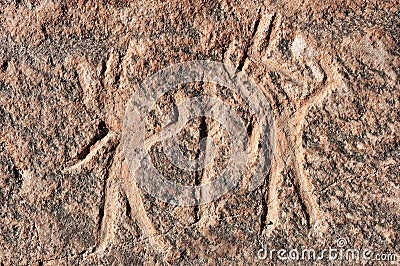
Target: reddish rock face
point(328, 75)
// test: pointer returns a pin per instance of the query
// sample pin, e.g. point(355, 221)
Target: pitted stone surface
point(330, 72)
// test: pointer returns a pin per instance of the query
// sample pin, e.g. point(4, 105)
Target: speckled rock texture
point(329, 69)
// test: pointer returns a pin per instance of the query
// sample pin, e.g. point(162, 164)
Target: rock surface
point(330, 72)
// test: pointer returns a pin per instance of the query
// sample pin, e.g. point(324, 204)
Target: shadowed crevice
point(102, 131)
point(128, 209)
point(200, 172)
point(253, 34)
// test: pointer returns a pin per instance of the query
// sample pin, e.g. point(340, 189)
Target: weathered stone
point(330, 72)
